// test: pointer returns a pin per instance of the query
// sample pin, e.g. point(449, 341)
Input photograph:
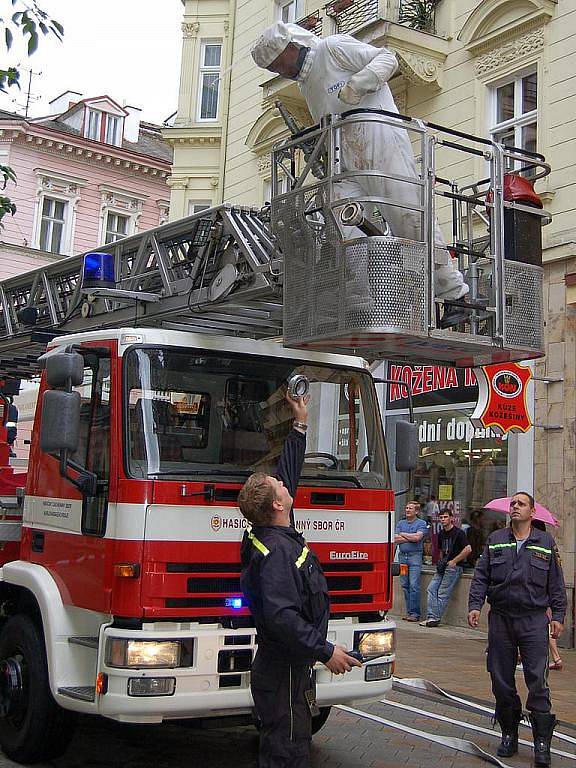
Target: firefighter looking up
point(520, 574)
point(339, 73)
point(285, 587)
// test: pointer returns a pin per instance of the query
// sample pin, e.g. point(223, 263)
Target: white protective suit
point(339, 68)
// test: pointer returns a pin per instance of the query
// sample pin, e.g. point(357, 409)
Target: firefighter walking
point(288, 596)
point(520, 575)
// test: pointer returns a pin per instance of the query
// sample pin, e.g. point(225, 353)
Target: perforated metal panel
point(523, 315)
point(333, 286)
point(369, 294)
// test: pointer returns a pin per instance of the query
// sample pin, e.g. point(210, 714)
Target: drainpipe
point(227, 82)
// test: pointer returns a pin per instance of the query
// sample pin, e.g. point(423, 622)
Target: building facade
point(500, 68)
point(88, 174)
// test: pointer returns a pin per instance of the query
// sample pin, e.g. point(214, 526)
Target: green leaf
point(43, 27)
point(9, 38)
point(8, 173)
point(57, 26)
point(32, 43)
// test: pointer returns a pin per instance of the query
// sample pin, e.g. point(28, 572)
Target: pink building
point(88, 174)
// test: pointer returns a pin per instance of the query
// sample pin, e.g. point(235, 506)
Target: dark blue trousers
point(508, 636)
point(279, 694)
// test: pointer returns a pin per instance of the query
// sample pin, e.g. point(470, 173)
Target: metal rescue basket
point(351, 285)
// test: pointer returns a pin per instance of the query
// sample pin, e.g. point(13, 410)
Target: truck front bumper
point(216, 681)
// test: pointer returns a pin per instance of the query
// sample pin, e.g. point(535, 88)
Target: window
point(197, 206)
point(116, 227)
point(120, 211)
point(283, 187)
point(515, 113)
point(93, 451)
point(201, 413)
point(112, 134)
point(57, 196)
point(94, 120)
point(209, 89)
point(53, 224)
point(289, 10)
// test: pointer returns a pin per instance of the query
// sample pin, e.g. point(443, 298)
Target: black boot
point(542, 728)
point(508, 719)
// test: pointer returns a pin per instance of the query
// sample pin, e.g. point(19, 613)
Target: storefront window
point(460, 467)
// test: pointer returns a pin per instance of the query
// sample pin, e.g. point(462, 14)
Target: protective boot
point(542, 728)
point(508, 719)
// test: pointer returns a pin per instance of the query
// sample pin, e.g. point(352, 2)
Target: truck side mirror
point(60, 427)
point(407, 447)
point(64, 368)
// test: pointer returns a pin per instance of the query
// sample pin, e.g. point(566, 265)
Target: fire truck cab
point(127, 585)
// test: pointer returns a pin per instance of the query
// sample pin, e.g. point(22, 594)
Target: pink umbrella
point(543, 514)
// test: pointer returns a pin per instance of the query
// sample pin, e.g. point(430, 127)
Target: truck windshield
point(201, 414)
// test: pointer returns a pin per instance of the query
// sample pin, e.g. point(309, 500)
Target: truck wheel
point(319, 720)
point(32, 726)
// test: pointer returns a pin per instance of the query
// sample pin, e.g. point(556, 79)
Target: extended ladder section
point(363, 251)
point(324, 266)
point(218, 271)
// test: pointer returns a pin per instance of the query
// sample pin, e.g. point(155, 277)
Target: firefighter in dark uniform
point(520, 574)
point(285, 587)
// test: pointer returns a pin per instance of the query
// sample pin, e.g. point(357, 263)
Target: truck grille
point(232, 584)
point(208, 586)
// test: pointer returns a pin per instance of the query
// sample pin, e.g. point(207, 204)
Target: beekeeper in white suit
point(339, 73)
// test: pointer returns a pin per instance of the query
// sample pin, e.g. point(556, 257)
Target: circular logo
point(216, 522)
point(507, 384)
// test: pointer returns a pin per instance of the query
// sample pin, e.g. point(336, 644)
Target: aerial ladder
point(280, 271)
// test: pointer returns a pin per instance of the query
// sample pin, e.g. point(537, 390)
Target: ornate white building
point(501, 68)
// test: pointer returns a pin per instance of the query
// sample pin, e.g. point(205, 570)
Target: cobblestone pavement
point(346, 741)
point(452, 658)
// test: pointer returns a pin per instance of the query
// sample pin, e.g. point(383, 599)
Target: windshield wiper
point(352, 479)
point(194, 472)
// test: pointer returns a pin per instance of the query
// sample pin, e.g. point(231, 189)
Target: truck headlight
point(374, 643)
point(143, 653)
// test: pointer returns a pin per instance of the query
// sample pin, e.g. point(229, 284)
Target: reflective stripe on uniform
point(501, 546)
point(258, 544)
point(303, 556)
point(539, 549)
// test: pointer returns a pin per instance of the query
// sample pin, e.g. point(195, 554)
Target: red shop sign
point(502, 398)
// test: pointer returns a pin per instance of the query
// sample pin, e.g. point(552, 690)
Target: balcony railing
point(351, 15)
point(313, 23)
point(418, 14)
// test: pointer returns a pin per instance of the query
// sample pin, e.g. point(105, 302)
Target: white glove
point(349, 95)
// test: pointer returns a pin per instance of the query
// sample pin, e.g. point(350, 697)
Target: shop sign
point(502, 398)
point(430, 385)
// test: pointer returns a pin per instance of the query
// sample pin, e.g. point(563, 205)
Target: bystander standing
point(453, 552)
point(520, 575)
point(409, 538)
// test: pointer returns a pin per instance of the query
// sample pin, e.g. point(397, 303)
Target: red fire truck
point(162, 388)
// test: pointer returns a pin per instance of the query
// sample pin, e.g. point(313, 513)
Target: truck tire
point(319, 720)
point(32, 726)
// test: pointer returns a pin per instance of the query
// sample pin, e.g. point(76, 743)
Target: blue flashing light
point(233, 602)
point(98, 271)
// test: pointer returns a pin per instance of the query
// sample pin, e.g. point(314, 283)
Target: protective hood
point(274, 40)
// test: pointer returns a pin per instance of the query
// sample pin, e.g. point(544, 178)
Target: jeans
point(411, 582)
point(439, 591)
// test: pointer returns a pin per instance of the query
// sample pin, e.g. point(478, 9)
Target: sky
point(127, 49)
